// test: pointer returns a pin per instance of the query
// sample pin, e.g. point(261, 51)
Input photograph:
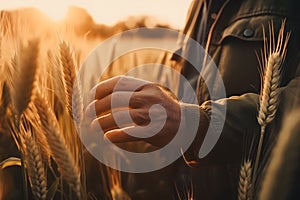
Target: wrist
point(195, 119)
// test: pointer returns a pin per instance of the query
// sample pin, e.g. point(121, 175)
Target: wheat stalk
point(115, 182)
point(74, 100)
point(118, 193)
point(188, 192)
point(271, 83)
point(34, 165)
point(116, 190)
point(59, 151)
point(26, 76)
point(245, 184)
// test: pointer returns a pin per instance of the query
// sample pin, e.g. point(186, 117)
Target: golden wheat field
point(41, 105)
point(42, 155)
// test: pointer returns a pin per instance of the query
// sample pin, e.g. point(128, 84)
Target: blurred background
point(85, 23)
point(167, 12)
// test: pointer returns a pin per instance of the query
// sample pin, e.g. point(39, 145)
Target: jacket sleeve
point(240, 124)
point(240, 119)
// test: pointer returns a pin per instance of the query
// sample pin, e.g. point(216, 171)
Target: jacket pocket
point(238, 46)
point(251, 28)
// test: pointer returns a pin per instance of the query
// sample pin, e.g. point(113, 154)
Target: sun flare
point(110, 12)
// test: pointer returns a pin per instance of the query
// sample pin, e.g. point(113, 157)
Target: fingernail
point(105, 138)
point(95, 126)
point(90, 110)
point(92, 93)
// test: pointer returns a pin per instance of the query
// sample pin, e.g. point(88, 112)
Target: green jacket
point(233, 42)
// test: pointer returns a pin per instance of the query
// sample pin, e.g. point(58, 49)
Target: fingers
point(120, 119)
point(120, 135)
point(128, 109)
point(116, 100)
point(129, 134)
point(119, 83)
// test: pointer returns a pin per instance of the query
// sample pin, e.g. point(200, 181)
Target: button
point(213, 15)
point(248, 33)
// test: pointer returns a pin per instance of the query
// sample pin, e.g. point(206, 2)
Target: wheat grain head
point(69, 74)
point(72, 86)
point(274, 55)
point(24, 83)
point(34, 166)
point(41, 141)
point(245, 182)
point(59, 151)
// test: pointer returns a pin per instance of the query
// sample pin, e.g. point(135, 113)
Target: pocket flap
point(251, 28)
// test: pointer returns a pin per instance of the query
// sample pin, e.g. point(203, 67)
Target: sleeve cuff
point(191, 113)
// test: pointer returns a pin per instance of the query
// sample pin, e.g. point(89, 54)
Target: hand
point(130, 109)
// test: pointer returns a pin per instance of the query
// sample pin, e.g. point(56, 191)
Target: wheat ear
point(39, 135)
point(245, 184)
point(54, 62)
point(35, 167)
point(284, 163)
point(271, 83)
point(72, 87)
point(58, 147)
point(77, 103)
point(26, 76)
point(69, 74)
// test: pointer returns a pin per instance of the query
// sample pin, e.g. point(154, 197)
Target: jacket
point(233, 41)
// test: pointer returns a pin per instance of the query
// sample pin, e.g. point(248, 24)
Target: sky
point(110, 11)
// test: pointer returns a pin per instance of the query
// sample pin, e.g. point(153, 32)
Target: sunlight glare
point(110, 12)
